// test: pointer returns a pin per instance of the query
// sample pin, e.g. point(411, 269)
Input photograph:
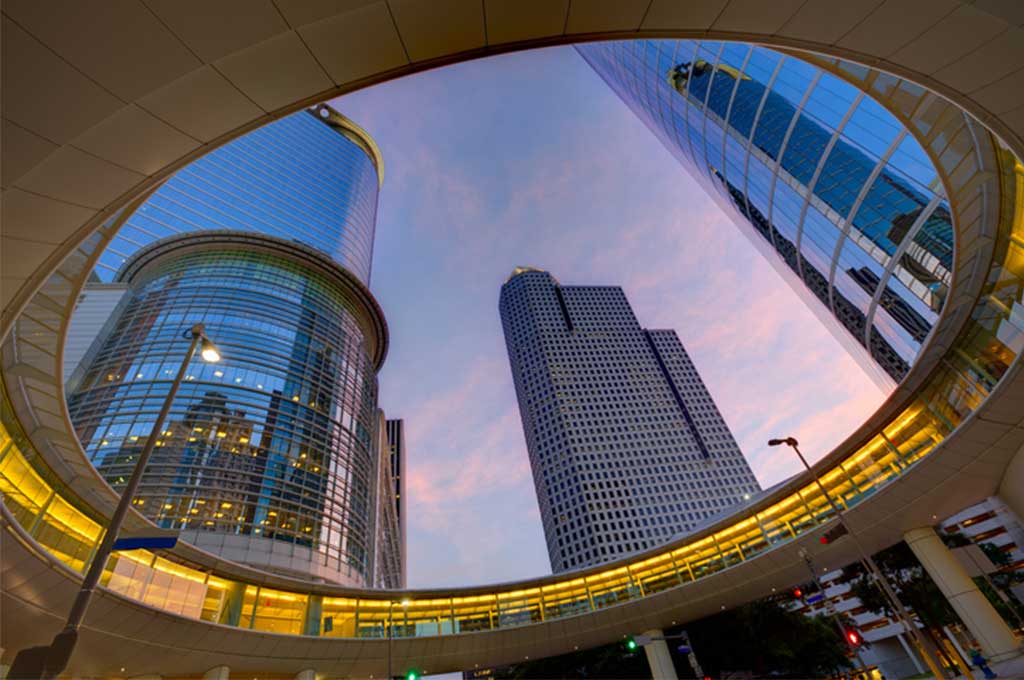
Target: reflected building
point(626, 443)
point(270, 457)
point(823, 179)
point(274, 457)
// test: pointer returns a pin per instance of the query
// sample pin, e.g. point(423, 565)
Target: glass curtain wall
point(810, 167)
point(268, 457)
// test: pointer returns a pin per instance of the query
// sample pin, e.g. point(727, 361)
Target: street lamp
point(867, 561)
point(49, 662)
point(391, 609)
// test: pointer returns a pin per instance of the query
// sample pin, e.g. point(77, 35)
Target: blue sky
point(529, 159)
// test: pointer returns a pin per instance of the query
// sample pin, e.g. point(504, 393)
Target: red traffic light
point(833, 534)
point(797, 593)
point(854, 638)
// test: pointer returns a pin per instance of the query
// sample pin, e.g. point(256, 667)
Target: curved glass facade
point(812, 168)
point(312, 177)
point(269, 457)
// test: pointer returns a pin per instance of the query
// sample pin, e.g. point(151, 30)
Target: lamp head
point(209, 351)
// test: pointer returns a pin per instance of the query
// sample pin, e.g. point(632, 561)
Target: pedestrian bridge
point(101, 104)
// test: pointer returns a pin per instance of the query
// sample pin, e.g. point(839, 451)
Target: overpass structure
point(103, 102)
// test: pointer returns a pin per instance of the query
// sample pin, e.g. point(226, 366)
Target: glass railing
point(968, 372)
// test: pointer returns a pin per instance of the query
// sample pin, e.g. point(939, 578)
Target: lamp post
point(54, 659)
point(868, 562)
point(391, 609)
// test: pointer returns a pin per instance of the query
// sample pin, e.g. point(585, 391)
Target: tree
point(764, 637)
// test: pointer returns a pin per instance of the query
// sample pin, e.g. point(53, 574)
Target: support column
point(996, 640)
point(1011, 489)
point(658, 657)
point(910, 653)
point(308, 674)
point(217, 673)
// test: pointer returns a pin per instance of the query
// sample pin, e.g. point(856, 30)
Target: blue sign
point(147, 542)
point(817, 597)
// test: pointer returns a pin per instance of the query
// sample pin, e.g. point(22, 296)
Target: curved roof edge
point(347, 127)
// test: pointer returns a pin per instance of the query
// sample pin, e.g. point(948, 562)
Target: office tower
point(822, 178)
point(313, 176)
point(396, 446)
point(93, 315)
point(270, 457)
point(626, 444)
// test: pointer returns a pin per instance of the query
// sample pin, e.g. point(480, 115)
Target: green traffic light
point(412, 675)
point(631, 644)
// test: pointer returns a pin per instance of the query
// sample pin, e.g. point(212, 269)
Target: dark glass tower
point(626, 444)
point(824, 180)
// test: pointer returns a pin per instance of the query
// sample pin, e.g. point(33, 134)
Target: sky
point(530, 159)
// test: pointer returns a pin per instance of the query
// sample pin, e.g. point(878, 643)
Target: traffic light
point(833, 534)
point(631, 645)
point(412, 675)
point(853, 638)
point(798, 594)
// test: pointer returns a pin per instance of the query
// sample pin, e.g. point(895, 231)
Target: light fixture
point(209, 351)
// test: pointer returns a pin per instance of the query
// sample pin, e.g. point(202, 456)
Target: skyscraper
point(270, 457)
point(396, 447)
point(626, 444)
point(822, 178)
point(303, 339)
point(314, 176)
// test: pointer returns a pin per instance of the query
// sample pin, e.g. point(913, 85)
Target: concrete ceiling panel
point(593, 16)
point(357, 44)
point(826, 21)
point(1010, 11)
point(276, 72)
point(204, 104)
point(667, 15)
point(215, 29)
point(756, 16)
point(44, 94)
point(441, 27)
point(36, 218)
point(21, 150)
point(510, 21)
point(301, 12)
point(995, 59)
point(19, 258)
point(76, 177)
point(894, 23)
point(957, 34)
point(1002, 95)
point(135, 139)
point(108, 41)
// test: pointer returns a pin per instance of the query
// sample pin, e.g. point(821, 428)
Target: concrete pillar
point(910, 653)
point(658, 657)
point(308, 674)
point(988, 628)
point(217, 673)
point(1011, 489)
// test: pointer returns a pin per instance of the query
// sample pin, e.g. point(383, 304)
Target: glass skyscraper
point(273, 458)
point(812, 169)
point(626, 444)
point(314, 176)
